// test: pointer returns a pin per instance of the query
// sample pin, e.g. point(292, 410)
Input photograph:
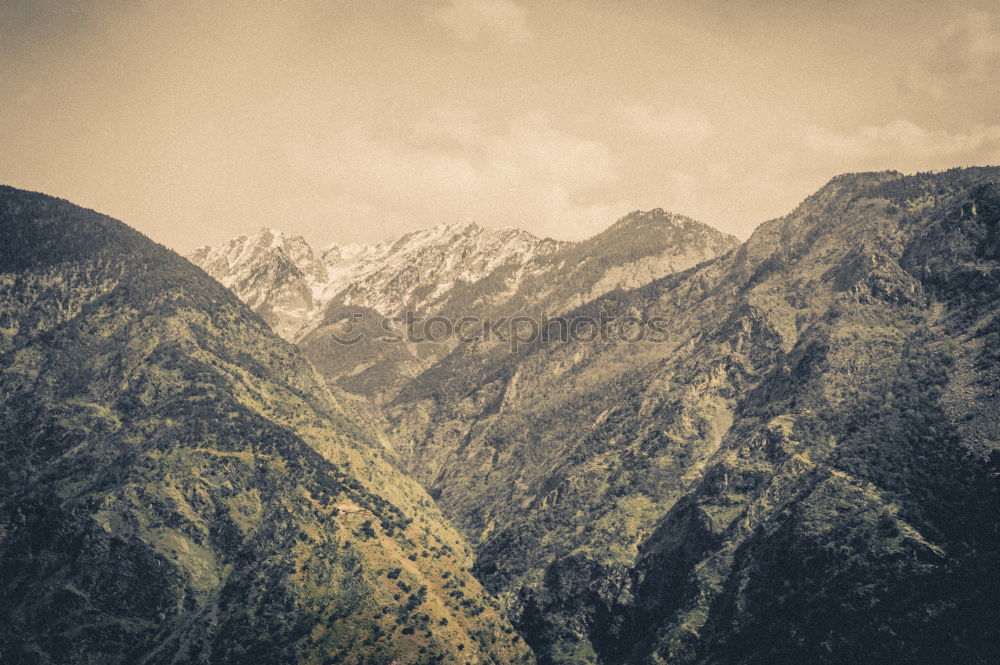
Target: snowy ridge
point(452, 267)
point(290, 284)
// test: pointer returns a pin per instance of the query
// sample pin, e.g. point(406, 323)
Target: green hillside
point(177, 486)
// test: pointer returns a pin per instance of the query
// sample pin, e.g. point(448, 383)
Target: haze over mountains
point(806, 470)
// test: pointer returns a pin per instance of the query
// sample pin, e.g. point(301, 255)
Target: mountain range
point(448, 271)
point(803, 468)
point(806, 471)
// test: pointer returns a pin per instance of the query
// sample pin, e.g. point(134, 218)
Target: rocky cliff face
point(802, 472)
point(177, 484)
point(277, 275)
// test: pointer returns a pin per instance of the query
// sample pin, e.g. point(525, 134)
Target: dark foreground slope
point(804, 473)
point(176, 486)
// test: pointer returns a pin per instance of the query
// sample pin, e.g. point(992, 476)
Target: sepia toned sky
point(350, 121)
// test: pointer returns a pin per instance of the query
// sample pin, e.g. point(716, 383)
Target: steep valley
point(499, 332)
point(803, 469)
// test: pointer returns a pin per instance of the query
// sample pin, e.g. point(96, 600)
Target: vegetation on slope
point(805, 472)
point(177, 485)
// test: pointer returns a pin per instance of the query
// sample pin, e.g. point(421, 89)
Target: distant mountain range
point(291, 285)
point(447, 270)
point(803, 469)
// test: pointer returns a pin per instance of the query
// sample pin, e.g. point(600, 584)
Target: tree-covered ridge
point(178, 485)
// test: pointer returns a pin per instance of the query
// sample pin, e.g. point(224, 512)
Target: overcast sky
point(352, 121)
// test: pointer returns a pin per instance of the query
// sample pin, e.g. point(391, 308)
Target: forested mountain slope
point(806, 471)
point(178, 486)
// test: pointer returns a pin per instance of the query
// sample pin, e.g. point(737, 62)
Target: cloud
point(677, 124)
point(449, 167)
point(471, 19)
point(907, 141)
point(966, 52)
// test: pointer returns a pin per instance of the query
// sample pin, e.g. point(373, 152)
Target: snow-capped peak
point(290, 284)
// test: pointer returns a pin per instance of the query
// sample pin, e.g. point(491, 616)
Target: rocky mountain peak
point(290, 283)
